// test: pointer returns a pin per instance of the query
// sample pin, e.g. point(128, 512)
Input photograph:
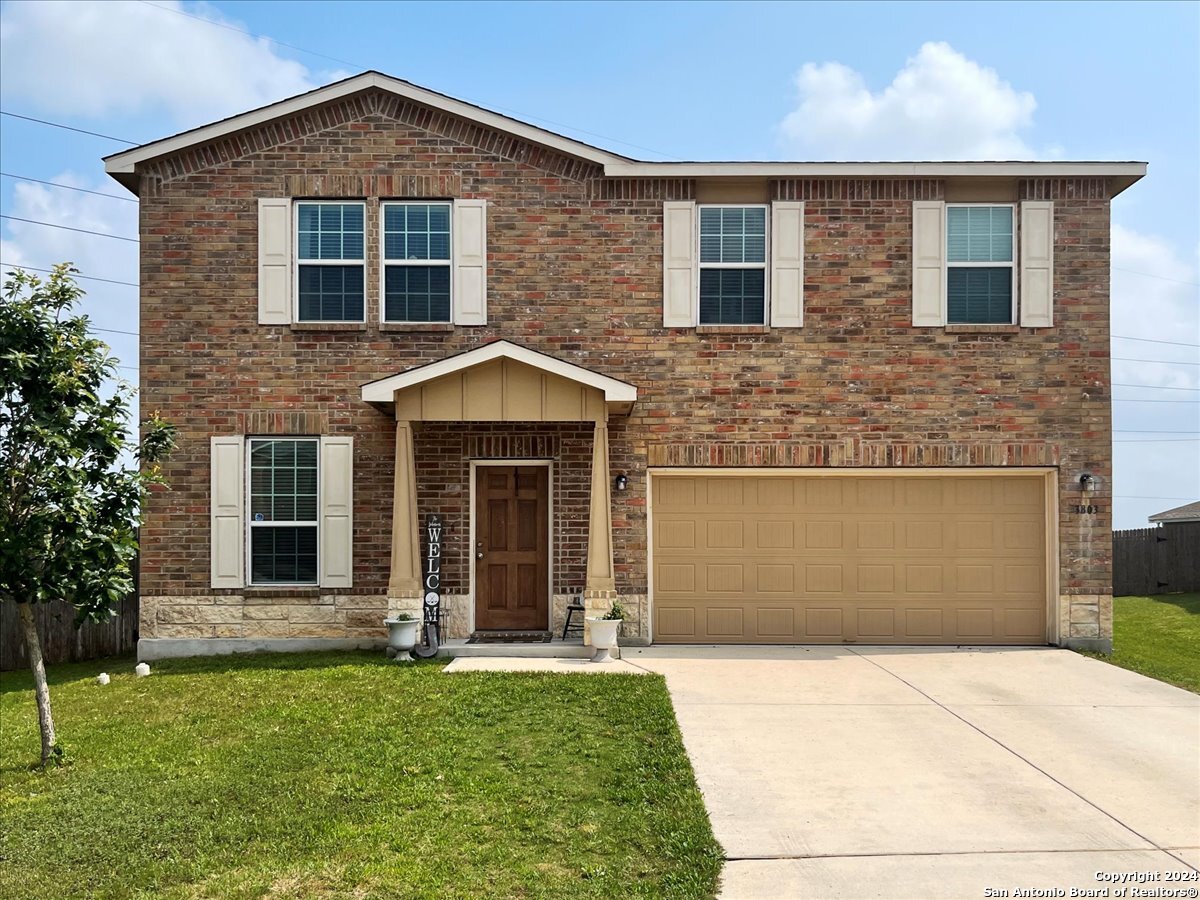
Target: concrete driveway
point(924, 773)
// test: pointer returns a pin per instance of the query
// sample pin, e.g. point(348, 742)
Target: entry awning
point(502, 382)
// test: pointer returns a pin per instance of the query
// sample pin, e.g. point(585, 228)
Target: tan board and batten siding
point(875, 559)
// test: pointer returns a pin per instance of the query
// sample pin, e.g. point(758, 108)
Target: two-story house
point(756, 402)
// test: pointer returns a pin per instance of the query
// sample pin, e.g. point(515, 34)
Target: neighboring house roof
point(122, 165)
point(1189, 512)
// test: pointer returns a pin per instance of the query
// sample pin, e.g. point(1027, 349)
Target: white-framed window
point(416, 240)
point(282, 533)
point(980, 264)
point(330, 260)
point(733, 254)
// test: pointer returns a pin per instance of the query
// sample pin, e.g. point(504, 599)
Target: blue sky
point(661, 81)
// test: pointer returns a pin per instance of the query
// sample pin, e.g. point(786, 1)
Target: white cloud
point(941, 105)
point(127, 58)
point(1154, 295)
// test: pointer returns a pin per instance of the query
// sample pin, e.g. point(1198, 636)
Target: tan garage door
point(870, 559)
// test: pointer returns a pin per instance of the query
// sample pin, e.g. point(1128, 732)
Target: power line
point(115, 237)
point(107, 137)
point(68, 187)
point(1159, 277)
point(1138, 497)
point(1125, 337)
point(1149, 431)
point(347, 62)
point(1153, 387)
point(1139, 400)
point(1165, 362)
point(73, 275)
point(1155, 440)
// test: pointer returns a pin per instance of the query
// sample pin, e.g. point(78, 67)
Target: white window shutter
point(1037, 264)
point(929, 263)
point(470, 262)
point(228, 526)
point(274, 261)
point(680, 297)
point(337, 511)
point(787, 264)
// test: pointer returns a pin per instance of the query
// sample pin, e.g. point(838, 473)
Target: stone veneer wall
point(575, 270)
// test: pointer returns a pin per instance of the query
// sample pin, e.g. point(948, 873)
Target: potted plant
point(402, 635)
point(604, 632)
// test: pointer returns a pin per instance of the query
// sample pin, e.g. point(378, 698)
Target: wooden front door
point(512, 548)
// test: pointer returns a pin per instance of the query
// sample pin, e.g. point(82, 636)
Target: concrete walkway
point(926, 773)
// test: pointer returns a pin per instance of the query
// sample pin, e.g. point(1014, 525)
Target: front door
point(512, 547)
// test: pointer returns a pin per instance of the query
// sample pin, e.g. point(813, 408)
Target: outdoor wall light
point(621, 482)
point(1087, 482)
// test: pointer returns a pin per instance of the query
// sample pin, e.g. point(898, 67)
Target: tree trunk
point(40, 688)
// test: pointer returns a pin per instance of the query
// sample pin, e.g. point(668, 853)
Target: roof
point(1189, 512)
point(384, 389)
point(121, 166)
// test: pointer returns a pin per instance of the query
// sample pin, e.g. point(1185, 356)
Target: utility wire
point(1153, 387)
point(87, 277)
point(115, 237)
point(1155, 440)
point(1139, 400)
point(1159, 277)
point(1165, 362)
point(1149, 431)
point(1125, 337)
point(69, 187)
point(107, 137)
point(1138, 497)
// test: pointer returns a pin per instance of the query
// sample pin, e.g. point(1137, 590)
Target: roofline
point(1122, 174)
point(123, 163)
point(383, 390)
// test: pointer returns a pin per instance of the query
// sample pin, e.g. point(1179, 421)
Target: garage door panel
point(793, 559)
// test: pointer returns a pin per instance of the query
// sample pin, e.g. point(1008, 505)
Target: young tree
point(70, 499)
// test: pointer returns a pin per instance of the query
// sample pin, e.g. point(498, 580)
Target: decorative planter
point(604, 637)
point(402, 637)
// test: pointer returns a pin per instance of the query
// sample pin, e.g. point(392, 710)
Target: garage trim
point(1049, 474)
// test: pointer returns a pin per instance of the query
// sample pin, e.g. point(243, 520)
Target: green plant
point(616, 612)
point(405, 617)
point(72, 481)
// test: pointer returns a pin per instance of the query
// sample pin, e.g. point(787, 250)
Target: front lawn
point(1159, 636)
point(339, 775)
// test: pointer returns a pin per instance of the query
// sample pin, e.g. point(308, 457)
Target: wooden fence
point(1157, 560)
point(61, 640)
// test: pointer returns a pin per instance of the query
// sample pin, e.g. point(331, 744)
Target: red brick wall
point(575, 271)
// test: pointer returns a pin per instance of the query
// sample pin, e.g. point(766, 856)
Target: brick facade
point(575, 271)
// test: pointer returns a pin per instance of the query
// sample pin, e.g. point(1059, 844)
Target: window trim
point(297, 202)
point(765, 266)
point(947, 264)
point(384, 262)
point(249, 516)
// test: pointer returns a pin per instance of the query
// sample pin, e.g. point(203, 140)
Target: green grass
point(344, 775)
point(1159, 636)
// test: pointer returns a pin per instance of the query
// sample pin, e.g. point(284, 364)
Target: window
point(330, 263)
point(979, 265)
point(733, 265)
point(283, 511)
point(416, 262)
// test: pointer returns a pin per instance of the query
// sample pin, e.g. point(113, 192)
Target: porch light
point(621, 482)
point(1087, 482)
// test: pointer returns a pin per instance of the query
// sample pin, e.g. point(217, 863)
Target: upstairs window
point(283, 511)
point(733, 265)
point(416, 262)
point(979, 265)
point(330, 262)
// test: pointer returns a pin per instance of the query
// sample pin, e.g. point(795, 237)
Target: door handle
point(479, 549)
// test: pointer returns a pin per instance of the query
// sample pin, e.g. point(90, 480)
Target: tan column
point(600, 549)
point(406, 553)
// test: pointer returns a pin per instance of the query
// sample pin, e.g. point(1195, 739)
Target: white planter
point(402, 637)
point(604, 637)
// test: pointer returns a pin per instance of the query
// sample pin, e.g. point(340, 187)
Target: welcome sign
point(432, 586)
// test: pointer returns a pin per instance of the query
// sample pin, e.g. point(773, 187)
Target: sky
point(751, 81)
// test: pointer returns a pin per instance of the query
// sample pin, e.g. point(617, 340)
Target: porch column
point(600, 577)
point(405, 581)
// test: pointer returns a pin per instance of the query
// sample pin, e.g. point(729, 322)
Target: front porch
point(511, 448)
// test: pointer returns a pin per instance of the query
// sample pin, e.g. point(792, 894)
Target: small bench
point(575, 606)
